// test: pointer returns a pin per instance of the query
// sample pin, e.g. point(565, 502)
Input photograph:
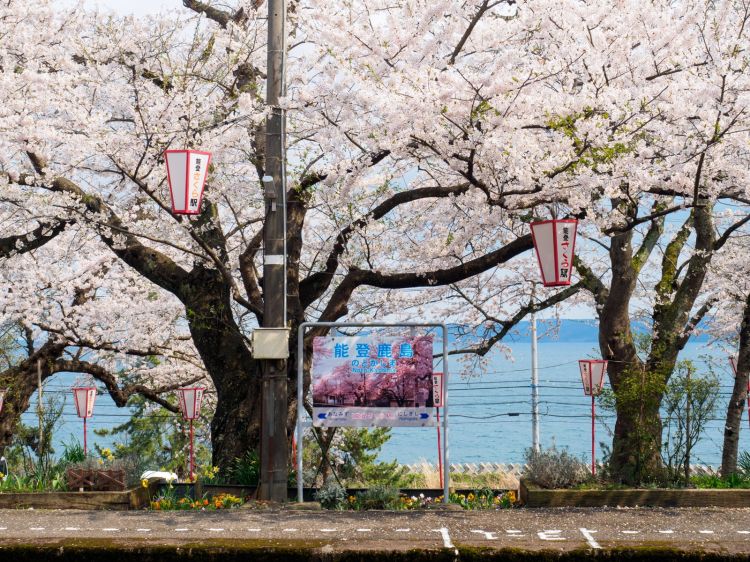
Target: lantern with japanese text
point(733, 362)
point(554, 242)
point(84, 398)
point(186, 174)
point(190, 406)
point(592, 377)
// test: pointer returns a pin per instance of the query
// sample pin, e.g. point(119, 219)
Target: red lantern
point(84, 398)
point(592, 376)
point(186, 173)
point(554, 242)
point(733, 362)
point(190, 406)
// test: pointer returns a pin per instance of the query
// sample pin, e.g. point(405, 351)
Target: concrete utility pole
point(534, 380)
point(274, 409)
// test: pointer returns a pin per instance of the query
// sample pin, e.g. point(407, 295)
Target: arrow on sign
point(424, 416)
point(322, 416)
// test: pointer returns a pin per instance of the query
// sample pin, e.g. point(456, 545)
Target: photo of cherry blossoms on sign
point(351, 374)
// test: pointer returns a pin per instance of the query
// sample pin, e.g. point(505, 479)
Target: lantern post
point(190, 406)
point(592, 377)
point(554, 243)
point(84, 397)
point(733, 362)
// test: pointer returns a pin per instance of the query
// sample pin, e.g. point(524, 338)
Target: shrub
point(378, 497)
point(555, 469)
point(331, 495)
point(245, 470)
point(743, 463)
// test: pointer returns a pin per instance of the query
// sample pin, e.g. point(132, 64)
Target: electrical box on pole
point(270, 343)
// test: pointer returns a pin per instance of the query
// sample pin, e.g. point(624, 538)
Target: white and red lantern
point(186, 174)
point(592, 377)
point(554, 242)
point(84, 397)
point(733, 362)
point(190, 402)
point(190, 406)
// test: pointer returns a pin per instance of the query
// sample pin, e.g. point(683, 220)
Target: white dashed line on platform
point(667, 532)
point(744, 532)
point(447, 543)
point(364, 530)
point(328, 530)
point(36, 528)
point(706, 532)
point(631, 532)
point(254, 530)
point(110, 530)
point(216, 530)
point(181, 530)
point(403, 530)
point(589, 538)
point(143, 530)
point(289, 530)
point(489, 535)
point(550, 535)
point(72, 529)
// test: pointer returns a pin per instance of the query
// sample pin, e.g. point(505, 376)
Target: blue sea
point(489, 410)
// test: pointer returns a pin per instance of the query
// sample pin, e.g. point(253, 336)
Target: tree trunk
point(736, 404)
point(21, 382)
point(235, 427)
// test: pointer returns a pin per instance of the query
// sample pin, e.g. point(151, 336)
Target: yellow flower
point(144, 483)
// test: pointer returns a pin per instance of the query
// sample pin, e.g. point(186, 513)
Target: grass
point(711, 481)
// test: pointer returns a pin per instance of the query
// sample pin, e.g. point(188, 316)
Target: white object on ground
point(159, 476)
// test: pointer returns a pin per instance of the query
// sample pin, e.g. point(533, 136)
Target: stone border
point(533, 496)
point(135, 498)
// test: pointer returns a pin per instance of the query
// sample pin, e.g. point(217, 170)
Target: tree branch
point(337, 305)
point(507, 325)
point(119, 395)
point(313, 287)
point(22, 243)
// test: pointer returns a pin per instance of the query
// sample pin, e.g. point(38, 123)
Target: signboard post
point(372, 381)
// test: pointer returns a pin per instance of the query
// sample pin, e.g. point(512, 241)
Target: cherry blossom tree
point(423, 137)
point(94, 108)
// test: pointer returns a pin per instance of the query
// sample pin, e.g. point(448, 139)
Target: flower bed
point(168, 500)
